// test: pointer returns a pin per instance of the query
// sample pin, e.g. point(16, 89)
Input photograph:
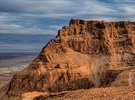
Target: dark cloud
point(36, 5)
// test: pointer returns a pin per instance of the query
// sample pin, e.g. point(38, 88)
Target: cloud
point(56, 7)
point(56, 26)
point(10, 26)
point(17, 29)
point(128, 9)
point(35, 6)
point(47, 16)
point(124, 1)
point(96, 7)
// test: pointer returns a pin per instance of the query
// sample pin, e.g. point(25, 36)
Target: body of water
point(13, 61)
point(17, 54)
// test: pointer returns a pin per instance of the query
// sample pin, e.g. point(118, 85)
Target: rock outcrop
point(83, 55)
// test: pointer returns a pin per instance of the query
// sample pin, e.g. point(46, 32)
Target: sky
point(48, 16)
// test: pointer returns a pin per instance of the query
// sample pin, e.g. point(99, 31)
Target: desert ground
point(111, 93)
point(106, 93)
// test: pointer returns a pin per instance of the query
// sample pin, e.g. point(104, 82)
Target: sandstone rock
point(83, 55)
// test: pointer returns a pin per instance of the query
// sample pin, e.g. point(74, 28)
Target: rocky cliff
point(83, 55)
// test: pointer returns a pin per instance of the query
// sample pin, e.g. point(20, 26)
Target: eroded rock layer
point(84, 54)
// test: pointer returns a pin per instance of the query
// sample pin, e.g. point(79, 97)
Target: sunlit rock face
point(83, 55)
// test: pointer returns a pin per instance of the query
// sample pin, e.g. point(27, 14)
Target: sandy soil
point(112, 93)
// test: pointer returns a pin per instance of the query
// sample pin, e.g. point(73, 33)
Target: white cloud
point(16, 14)
point(9, 26)
point(56, 26)
point(128, 9)
point(124, 0)
point(17, 29)
point(95, 7)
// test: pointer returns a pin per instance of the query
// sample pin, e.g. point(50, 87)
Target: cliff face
point(84, 54)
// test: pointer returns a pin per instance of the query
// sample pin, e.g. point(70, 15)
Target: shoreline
point(20, 51)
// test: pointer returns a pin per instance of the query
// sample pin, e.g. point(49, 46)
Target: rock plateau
point(85, 54)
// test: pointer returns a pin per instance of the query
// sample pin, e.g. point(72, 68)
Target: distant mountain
point(23, 41)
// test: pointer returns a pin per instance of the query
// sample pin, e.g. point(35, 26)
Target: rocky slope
point(111, 93)
point(83, 55)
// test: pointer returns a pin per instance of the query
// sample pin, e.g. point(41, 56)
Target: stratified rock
point(83, 55)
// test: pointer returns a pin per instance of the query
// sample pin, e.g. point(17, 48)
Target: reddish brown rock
point(83, 55)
